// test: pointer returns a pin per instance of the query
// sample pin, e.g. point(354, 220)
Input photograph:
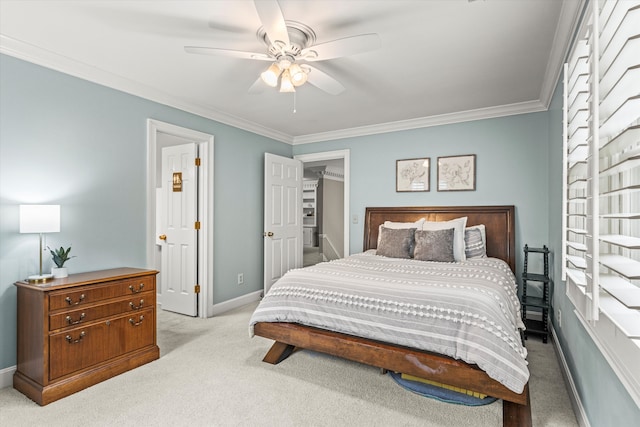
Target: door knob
point(269, 234)
point(162, 237)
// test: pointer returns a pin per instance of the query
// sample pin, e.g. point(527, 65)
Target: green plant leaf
point(60, 256)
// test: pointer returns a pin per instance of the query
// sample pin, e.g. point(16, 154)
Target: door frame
point(205, 205)
point(335, 155)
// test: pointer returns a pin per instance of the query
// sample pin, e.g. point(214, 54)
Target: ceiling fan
point(290, 47)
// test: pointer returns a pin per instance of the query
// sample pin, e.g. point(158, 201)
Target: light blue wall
point(71, 142)
point(511, 169)
point(605, 399)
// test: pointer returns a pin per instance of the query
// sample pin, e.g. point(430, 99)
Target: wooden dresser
point(83, 329)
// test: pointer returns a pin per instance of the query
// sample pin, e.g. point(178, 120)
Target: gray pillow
point(474, 246)
point(396, 243)
point(434, 245)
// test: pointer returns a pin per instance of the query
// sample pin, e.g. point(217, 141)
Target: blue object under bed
point(440, 393)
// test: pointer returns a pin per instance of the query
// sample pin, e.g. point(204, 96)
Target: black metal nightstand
point(537, 327)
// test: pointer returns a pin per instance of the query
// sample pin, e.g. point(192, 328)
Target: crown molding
point(63, 64)
point(331, 172)
point(569, 16)
point(565, 30)
point(423, 122)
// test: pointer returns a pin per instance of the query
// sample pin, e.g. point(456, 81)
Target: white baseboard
point(236, 302)
point(6, 376)
point(576, 403)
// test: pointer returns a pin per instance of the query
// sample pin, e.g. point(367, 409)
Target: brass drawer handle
point(134, 323)
point(71, 322)
point(133, 307)
point(140, 286)
point(70, 301)
point(72, 341)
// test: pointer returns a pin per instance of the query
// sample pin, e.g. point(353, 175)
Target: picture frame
point(413, 175)
point(457, 173)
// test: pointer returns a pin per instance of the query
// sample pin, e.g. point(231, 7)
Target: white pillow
point(458, 226)
point(399, 225)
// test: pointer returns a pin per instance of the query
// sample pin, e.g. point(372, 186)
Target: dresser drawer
point(82, 347)
point(88, 314)
point(71, 298)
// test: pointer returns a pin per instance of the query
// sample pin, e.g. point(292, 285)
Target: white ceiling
point(441, 61)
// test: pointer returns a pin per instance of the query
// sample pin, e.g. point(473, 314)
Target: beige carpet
point(210, 374)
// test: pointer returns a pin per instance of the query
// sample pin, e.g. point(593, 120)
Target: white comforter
point(466, 310)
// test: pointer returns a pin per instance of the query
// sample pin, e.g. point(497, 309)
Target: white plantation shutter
point(576, 153)
point(619, 159)
point(601, 259)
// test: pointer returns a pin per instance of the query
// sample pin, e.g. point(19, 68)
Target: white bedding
point(466, 310)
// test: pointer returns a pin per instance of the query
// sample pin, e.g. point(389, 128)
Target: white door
point(282, 217)
point(179, 229)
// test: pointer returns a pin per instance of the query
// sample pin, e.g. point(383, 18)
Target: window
point(601, 236)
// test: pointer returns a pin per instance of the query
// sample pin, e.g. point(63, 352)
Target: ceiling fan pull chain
point(294, 102)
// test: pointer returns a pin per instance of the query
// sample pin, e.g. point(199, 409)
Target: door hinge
point(197, 161)
point(196, 289)
point(197, 225)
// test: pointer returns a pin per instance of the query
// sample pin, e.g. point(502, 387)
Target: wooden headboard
point(498, 220)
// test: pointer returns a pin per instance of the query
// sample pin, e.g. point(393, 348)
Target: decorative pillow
point(458, 225)
point(396, 243)
point(475, 242)
point(482, 229)
point(434, 245)
point(398, 225)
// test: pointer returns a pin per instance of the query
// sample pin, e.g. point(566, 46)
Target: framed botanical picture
point(457, 173)
point(412, 175)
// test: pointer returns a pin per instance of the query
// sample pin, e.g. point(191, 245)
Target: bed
point(499, 242)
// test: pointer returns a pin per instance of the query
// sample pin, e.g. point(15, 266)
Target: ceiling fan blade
point(272, 20)
point(323, 81)
point(227, 52)
point(257, 87)
point(342, 47)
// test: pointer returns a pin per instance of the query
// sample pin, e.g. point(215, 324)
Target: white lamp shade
point(285, 82)
point(298, 76)
point(39, 218)
point(270, 76)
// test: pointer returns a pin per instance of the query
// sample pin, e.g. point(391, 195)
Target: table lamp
point(40, 219)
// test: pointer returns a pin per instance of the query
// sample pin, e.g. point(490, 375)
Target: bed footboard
point(431, 366)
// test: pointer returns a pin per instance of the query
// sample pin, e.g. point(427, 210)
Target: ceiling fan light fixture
point(298, 75)
point(270, 76)
point(286, 85)
point(285, 61)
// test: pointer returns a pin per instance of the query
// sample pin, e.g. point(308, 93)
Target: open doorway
point(325, 206)
point(163, 135)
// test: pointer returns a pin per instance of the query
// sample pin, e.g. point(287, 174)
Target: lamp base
point(40, 278)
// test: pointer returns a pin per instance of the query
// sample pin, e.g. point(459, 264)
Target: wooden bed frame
point(499, 223)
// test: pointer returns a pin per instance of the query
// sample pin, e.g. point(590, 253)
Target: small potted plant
point(60, 256)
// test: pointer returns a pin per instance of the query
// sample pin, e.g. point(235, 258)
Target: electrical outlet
point(354, 218)
point(240, 278)
point(559, 318)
